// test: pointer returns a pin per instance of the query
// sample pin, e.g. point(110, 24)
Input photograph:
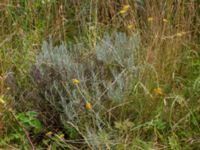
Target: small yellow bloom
point(165, 20)
point(158, 91)
point(130, 26)
point(150, 19)
point(124, 9)
point(2, 101)
point(88, 106)
point(8, 88)
point(49, 133)
point(75, 81)
point(61, 136)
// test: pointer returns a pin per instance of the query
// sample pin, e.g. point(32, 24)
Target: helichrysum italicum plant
point(74, 87)
point(118, 48)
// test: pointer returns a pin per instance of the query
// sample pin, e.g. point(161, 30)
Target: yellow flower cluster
point(124, 9)
point(2, 101)
point(75, 81)
point(88, 106)
point(61, 136)
point(130, 26)
point(158, 91)
point(49, 133)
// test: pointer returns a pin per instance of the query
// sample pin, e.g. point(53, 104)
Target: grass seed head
point(150, 19)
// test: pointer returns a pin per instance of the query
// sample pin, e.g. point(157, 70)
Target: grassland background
point(163, 110)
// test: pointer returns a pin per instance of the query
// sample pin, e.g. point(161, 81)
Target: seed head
point(165, 20)
point(150, 19)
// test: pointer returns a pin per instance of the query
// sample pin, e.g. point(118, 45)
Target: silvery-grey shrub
point(108, 74)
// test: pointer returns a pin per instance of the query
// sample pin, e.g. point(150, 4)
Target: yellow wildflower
point(150, 19)
point(2, 101)
point(124, 9)
point(75, 81)
point(49, 133)
point(165, 20)
point(88, 106)
point(158, 91)
point(61, 136)
point(130, 26)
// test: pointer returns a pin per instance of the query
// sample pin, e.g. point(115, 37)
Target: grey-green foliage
point(59, 57)
point(118, 48)
point(61, 60)
point(116, 54)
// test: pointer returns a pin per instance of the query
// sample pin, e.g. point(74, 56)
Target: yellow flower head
point(130, 26)
point(61, 136)
point(49, 133)
point(150, 19)
point(88, 106)
point(2, 101)
point(158, 91)
point(75, 81)
point(165, 20)
point(124, 9)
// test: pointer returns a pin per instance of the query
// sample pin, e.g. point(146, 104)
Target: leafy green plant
point(29, 120)
point(173, 142)
point(19, 133)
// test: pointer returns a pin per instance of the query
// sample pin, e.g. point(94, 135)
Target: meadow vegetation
point(100, 74)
